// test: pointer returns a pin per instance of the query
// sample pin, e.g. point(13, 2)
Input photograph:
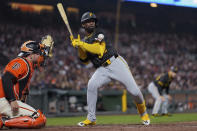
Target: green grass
point(122, 119)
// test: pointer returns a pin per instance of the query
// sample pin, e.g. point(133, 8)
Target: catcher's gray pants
point(155, 94)
point(118, 70)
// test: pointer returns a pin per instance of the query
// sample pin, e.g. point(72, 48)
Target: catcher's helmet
point(31, 47)
point(87, 16)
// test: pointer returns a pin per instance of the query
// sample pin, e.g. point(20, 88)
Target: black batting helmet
point(87, 16)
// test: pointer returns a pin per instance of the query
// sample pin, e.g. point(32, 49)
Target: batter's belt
point(109, 61)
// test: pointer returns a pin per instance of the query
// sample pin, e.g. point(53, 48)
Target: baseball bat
point(64, 17)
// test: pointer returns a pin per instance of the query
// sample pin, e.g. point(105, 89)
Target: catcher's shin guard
point(41, 120)
point(33, 121)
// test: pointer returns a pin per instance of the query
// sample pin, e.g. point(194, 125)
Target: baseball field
point(177, 122)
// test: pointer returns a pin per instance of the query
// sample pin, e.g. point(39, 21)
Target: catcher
point(14, 85)
point(109, 65)
point(157, 88)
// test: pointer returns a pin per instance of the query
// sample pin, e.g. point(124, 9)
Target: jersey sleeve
point(8, 82)
point(17, 67)
point(97, 45)
point(83, 55)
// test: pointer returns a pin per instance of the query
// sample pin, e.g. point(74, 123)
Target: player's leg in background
point(120, 71)
point(155, 94)
point(98, 79)
point(165, 105)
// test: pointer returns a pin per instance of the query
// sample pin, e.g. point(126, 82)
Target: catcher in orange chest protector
point(14, 85)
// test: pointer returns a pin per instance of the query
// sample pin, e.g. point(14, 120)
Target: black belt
point(109, 61)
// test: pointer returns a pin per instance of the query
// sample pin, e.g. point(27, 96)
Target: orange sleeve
point(17, 67)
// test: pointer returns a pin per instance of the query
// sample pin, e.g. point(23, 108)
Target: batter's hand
point(71, 38)
point(76, 42)
point(14, 106)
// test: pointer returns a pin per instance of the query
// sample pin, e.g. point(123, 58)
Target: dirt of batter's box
point(186, 126)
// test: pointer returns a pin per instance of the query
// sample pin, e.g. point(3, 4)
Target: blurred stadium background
point(151, 36)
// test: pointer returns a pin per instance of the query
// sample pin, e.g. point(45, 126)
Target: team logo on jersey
point(16, 66)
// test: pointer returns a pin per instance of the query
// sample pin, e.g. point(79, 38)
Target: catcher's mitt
point(48, 42)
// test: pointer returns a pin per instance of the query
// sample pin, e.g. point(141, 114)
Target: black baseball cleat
point(166, 114)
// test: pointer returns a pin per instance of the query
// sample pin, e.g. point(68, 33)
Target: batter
point(109, 65)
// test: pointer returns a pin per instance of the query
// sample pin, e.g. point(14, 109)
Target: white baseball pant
point(117, 70)
point(155, 94)
point(165, 104)
point(24, 109)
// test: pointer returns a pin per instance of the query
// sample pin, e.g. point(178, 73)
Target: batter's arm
point(95, 48)
point(98, 47)
point(83, 55)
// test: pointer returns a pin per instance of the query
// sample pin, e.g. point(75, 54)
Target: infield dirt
point(183, 126)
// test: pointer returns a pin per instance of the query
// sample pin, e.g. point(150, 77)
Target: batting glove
point(76, 42)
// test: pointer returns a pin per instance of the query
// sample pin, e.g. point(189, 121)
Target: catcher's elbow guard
point(27, 121)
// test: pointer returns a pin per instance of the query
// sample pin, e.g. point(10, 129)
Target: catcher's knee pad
point(37, 120)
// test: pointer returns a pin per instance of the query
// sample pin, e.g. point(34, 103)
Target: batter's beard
point(90, 29)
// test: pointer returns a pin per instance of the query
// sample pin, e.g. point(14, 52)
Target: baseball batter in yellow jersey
point(159, 89)
point(109, 65)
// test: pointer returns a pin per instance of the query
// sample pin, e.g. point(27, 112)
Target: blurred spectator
point(148, 54)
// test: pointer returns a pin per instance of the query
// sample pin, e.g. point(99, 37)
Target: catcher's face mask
point(46, 50)
point(47, 45)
